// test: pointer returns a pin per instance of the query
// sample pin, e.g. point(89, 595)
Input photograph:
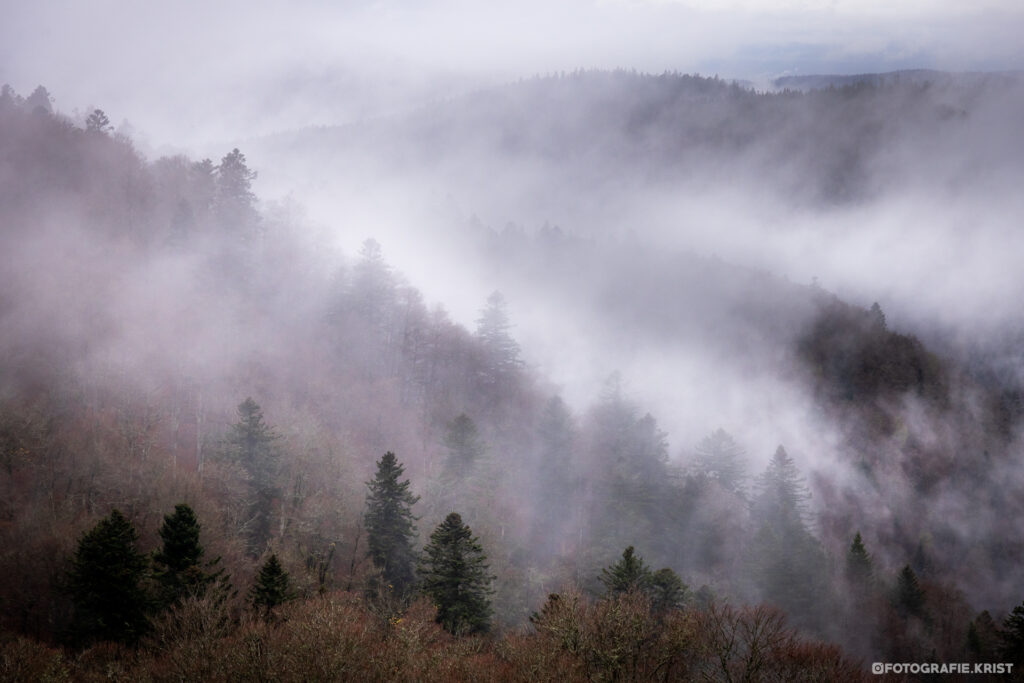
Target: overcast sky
point(189, 71)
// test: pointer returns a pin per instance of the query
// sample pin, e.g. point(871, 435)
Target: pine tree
point(236, 203)
point(667, 590)
point(628, 574)
point(251, 442)
point(860, 571)
point(781, 494)
point(390, 524)
point(908, 598)
point(788, 564)
point(105, 583)
point(493, 331)
point(719, 457)
point(1012, 637)
point(983, 637)
point(97, 122)
point(272, 587)
point(453, 573)
point(179, 569)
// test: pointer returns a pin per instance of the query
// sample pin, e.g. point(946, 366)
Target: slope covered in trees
point(167, 339)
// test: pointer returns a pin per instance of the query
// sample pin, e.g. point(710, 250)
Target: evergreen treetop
point(720, 458)
point(272, 587)
point(178, 567)
point(390, 524)
point(781, 494)
point(860, 570)
point(454, 574)
point(105, 583)
point(628, 574)
point(909, 598)
point(1011, 636)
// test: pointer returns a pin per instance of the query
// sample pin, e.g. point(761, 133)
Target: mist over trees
point(141, 300)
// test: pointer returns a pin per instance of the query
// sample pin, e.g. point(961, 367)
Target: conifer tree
point(909, 598)
point(720, 458)
point(390, 524)
point(983, 637)
point(667, 590)
point(1012, 637)
point(788, 564)
point(628, 574)
point(236, 203)
point(97, 122)
point(251, 442)
point(105, 583)
point(453, 573)
point(179, 569)
point(782, 495)
point(272, 587)
point(860, 570)
point(493, 330)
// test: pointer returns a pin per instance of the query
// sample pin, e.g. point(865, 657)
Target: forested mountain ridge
point(615, 132)
point(143, 301)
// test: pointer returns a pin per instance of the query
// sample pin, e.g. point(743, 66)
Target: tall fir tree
point(908, 596)
point(1011, 637)
point(781, 493)
point(721, 459)
point(628, 574)
point(178, 566)
point(502, 351)
point(789, 566)
point(235, 200)
point(272, 587)
point(860, 571)
point(667, 590)
point(454, 574)
point(105, 583)
point(390, 524)
point(251, 442)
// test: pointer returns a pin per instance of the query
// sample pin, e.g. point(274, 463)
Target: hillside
point(143, 301)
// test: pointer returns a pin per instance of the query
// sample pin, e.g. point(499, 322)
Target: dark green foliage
point(628, 574)
point(179, 569)
point(860, 571)
point(389, 524)
point(856, 357)
point(251, 442)
point(105, 582)
point(667, 590)
point(908, 597)
point(1011, 637)
point(453, 574)
point(720, 458)
point(272, 587)
point(632, 575)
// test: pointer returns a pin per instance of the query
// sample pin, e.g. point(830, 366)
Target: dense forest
point(232, 451)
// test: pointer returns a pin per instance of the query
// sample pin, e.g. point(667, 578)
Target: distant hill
point(895, 78)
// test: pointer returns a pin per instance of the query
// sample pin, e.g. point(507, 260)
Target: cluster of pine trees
point(113, 417)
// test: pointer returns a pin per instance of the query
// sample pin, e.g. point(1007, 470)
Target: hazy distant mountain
point(894, 78)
